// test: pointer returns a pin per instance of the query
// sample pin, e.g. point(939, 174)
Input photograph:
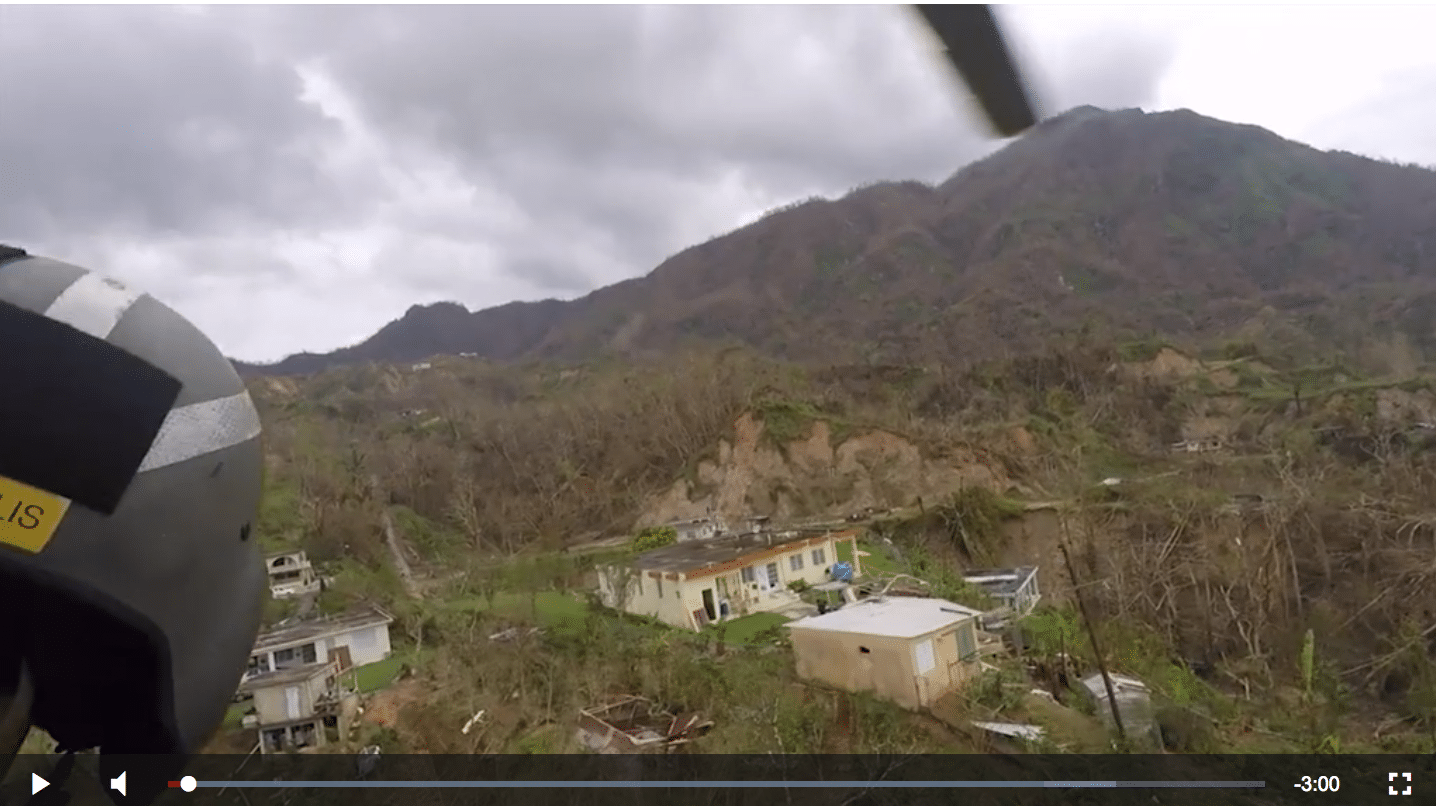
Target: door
point(291, 702)
point(341, 653)
point(709, 606)
point(772, 575)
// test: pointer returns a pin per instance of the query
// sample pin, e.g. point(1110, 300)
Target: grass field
point(877, 559)
point(377, 675)
point(744, 631)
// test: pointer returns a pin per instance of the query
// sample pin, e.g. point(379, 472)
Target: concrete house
point(1134, 703)
point(1013, 588)
point(302, 708)
point(291, 574)
point(691, 585)
point(353, 639)
point(905, 649)
point(697, 529)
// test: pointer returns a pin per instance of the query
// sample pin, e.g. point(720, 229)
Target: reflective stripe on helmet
point(93, 305)
point(201, 428)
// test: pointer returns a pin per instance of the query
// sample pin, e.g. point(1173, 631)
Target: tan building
point(905, 649)
point(691, 585)
point(302, 708)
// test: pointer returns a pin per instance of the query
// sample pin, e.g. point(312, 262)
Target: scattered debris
point(635, 724)
point(473, 720)
point(1014, 730)
point(514, 633)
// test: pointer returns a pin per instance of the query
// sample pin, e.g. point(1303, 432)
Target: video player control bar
point(189, 784)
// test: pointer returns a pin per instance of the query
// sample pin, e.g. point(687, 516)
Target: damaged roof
point(1000, 581)
point(896, 617)
point(701, 554)
point(306, 631)
point(289, 676)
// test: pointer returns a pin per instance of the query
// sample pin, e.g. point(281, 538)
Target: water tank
point(843, 572)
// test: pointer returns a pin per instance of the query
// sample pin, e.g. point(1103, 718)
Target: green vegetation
point(374, 676)
point(653, 537)
point(537, 461)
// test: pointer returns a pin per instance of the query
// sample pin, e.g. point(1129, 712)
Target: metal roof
point(895, 617)
point(307, 631)
point(700, 554)
point(1000, 581)
point(280, 677)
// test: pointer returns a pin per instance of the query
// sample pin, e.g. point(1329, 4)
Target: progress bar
point(189, 785)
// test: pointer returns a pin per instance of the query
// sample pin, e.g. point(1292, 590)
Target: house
point(908, 650)
point(1134, 703)
point(697, 529)
point(302, 708)
point(636, 725)
point(693, 584)
point(353, 639)
point(1015, 589)
point(291, 574)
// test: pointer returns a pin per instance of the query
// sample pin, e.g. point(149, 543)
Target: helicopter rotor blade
point(976, 48)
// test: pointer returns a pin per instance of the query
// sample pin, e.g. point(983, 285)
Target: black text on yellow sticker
point(28, 517)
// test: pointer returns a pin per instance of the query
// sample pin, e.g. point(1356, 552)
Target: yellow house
point(693, 584)
point(909, 650)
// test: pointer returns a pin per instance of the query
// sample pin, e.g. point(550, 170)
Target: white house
point(291, 574)
point(357, 638)
point(693, 584)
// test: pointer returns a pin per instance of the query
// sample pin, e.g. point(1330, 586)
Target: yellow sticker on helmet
point(29, 517)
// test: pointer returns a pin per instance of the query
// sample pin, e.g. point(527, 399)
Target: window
point(819, 557)
point(966, 642)
point(749, 574)
point(795, 562)
point(924, 657)
point(308, 654)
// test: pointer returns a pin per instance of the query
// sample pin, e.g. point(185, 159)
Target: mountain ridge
point(1124, 223)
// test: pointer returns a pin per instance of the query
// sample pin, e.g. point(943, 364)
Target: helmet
point(130, 477)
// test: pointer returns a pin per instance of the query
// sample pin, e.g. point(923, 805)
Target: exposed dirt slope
point(815, 476)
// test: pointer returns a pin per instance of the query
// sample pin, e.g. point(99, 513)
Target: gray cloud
point(144, 119)
point(473, 153)
point(603, 123)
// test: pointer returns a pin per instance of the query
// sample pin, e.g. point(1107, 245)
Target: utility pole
point(1096, 647)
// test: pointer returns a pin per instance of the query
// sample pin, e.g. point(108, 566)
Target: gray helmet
point(130, 477)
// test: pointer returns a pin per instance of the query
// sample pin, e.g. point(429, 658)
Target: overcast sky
point(291, 178)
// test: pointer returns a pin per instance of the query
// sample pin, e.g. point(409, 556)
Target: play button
point(37, 783)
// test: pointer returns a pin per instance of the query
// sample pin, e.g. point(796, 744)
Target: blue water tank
point(843, 572)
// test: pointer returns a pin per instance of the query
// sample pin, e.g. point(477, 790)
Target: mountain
point(1123, 223)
